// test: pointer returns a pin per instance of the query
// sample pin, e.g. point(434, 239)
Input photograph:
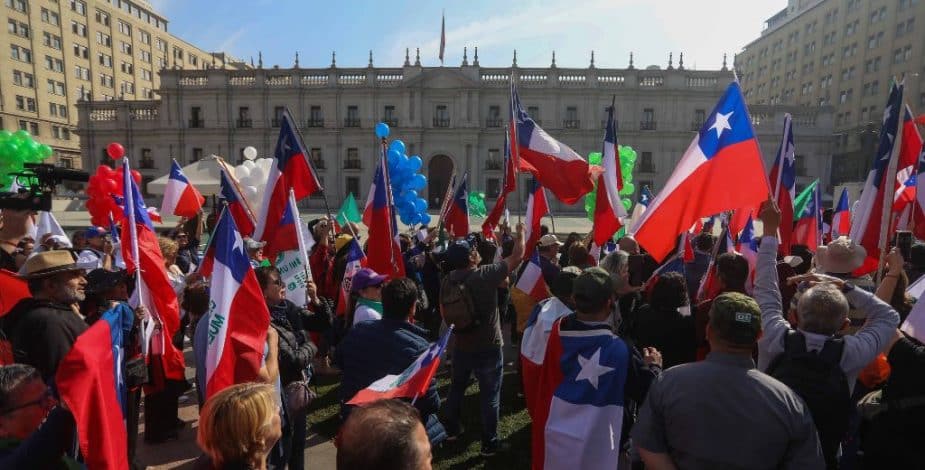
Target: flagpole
point(887, 204)
point(515, 149)
point(303, 253)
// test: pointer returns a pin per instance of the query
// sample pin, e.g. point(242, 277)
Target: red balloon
point(105, 171)
point(136, 176)
point(109, 186)
point(115, 150)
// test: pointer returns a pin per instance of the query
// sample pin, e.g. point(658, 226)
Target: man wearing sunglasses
point(35, 431)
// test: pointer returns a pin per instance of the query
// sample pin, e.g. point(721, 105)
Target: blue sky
point(702, 29)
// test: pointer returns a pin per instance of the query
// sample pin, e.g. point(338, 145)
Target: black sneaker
point(490, 450)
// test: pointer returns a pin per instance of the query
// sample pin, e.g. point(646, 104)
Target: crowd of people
point(791, 362)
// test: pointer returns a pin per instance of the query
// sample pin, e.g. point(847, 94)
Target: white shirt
point(364, 313)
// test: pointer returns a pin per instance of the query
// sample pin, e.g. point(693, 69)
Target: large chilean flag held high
point(553, 163)
point(721, 170)
point(237, 204)
point(608, 208)
point(238, 317)
point(290, 170)
point(180, 197)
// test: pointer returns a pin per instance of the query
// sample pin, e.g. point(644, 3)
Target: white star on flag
point(886, 114)
point(591, 369)
point(238, 242)
point(721, 123)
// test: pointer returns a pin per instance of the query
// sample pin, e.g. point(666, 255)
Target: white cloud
point(232, 39)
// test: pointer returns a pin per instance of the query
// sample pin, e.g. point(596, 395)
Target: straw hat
point(840, 256)
point(48, 263)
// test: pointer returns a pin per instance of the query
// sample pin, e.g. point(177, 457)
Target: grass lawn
point(513, 427)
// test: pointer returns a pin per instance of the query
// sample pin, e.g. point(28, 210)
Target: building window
point(104, 39)
point(244, 117)
point(23, 79)
point(20, 53)
point(353, 117)
point(196, 120)
point(352, 162)
point(50, 17)
point(125, 47)
point(799, 165)
point(79, 29)
point(25, 104)
point(197, 154)
point(648, 120)
point(317, 159)
point(493, 187)
point(352, 185)
point(84, 53)
point(102, 17)
point(146, 75)
point(127, 68)
point(389, 117)
point(160, 45)
point(18, 29)
point(278, 115)
point(55, 87)
point(105, 60)
point(125, 28)
point(494, 117)
point(145, 57)
point(316, 117)
point(145, 37)
point(128, 88)
point(646, 165)
point(178, 54)
point(18, 5)
point(441, 116)
point(79, 7)
point(571, 118)
point(700, 116)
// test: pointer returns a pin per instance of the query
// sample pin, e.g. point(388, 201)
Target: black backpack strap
point(794, 342)
point(832, 351)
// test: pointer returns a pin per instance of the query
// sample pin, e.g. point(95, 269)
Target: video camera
point(42, 179)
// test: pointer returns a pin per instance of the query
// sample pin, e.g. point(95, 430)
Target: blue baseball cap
point(457, 254)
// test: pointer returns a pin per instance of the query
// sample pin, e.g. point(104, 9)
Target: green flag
point(799, 204)
point(477, 203)
point(348, 211)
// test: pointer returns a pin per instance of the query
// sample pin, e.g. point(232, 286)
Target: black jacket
point(668, 331)
point(296, 349)
point(41, 333)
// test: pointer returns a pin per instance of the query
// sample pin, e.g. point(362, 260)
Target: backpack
point(456, 305)
point(817, 377)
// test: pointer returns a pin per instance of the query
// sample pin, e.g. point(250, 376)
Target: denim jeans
point(488, 369)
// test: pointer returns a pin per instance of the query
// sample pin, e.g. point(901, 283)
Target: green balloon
point(5, 134)
point(627, 204)
point(9, 150)
point(5, 181)
point(595, 158)
point(22, 135)
point(44, 151)
point(628, 189)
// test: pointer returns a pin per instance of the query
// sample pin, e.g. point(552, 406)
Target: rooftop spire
point(631, 61)
point(370, 58)
point(417, 57)
point(724, 63)
point(670, 59)
point(553, 60)
point(681, 61)
point(407, 59)
point(465, 57)
point(260, 59)
point(514, 64)
point(333, 59)
point(592, 60)
point(475, 60)
point(296, 59)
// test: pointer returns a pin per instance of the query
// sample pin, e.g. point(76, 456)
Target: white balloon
point(250, 153)
point(249, 164)
point(259, 174)
point(250, 192)
point(241, 172)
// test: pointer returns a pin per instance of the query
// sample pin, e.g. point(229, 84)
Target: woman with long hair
point(239, 426)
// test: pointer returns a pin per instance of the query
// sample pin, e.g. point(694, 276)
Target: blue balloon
point(394, 157)
point(420, 205)
point(382, 130)
point(397, 145)
point(425, 218)
point(415, 163)
point(418, 181)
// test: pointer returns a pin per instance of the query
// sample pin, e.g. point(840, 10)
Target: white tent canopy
point(204, 175)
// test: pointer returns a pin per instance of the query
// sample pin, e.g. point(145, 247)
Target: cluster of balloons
point(477, 203)
point(253, 174)
point(405, 180)
point(627, 164)
point(17, 149)
point(103, 185)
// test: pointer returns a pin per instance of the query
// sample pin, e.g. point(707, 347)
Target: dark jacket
point(45, 448)
point(694, 272)
point(669, 332)
point(296, 349)
point(41, 333)
point(374, 349)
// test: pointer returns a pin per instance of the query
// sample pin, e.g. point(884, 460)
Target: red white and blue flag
point(580, 396)
point(290, 170)
point(533, 345)
point(153, 290)
point(180, 197)
point(918, 214)
point(553, 163)
point(91, 384)
point(841, 216)
point(412, 382)
point(645, 197)
point(808, 228)
point(238, 317)
point(509, 184)
point(531, 279)
point(353, 263)
point(783, 183)
point(237, 203)
point(537, 208)
point(868, 216)
point(608, 209)
point(709, 285)
point(456, 219)
point(383, 252)
point(285, 236)
point(720, 171)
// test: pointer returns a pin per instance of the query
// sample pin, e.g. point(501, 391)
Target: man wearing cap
point(548, 247)
point(367, 285)
point(43, 328)
point(255, 252)
point(478, 351)
point(722, 412)
point(99, 250)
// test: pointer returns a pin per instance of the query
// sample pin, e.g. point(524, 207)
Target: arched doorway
point(439, 170)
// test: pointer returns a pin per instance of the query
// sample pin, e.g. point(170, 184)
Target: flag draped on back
point(142, 255)
point(721, 170)
point(383, 253)
point(537, 208)
point(237, 203)
point(412, 382)
point(580, 399)
point(290, 170)
point(180, 197)
point(608, 210)
point(807, 230)
point(531, 279)
point(551, 162)
point(90, 383)
point(238, 317)
point(533, 346)
point(456, 219)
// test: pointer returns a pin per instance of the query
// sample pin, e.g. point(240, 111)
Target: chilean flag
point(457, 213)
point(841, 217)
point(533, 345)
point(237, 204)
point(383, 253)
point(721, 170)
point(353, 263)
point(808, 228)
point(537, 208)
point(918, 215)
point(645, 197)
point(290, 171)
point(783, 183)
point(553, 163)
point(709, 285)
point(238, 317)
point(531, 279)
point(90, 383)
point(509, 185)
point(284, 237)
point(14, 290)
point(868, 217)
point(911, 146)
point(412, 383)
point(747, 246)
point(579, 400)
point(142, 254)
point(608, 209)
point(180, 197)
